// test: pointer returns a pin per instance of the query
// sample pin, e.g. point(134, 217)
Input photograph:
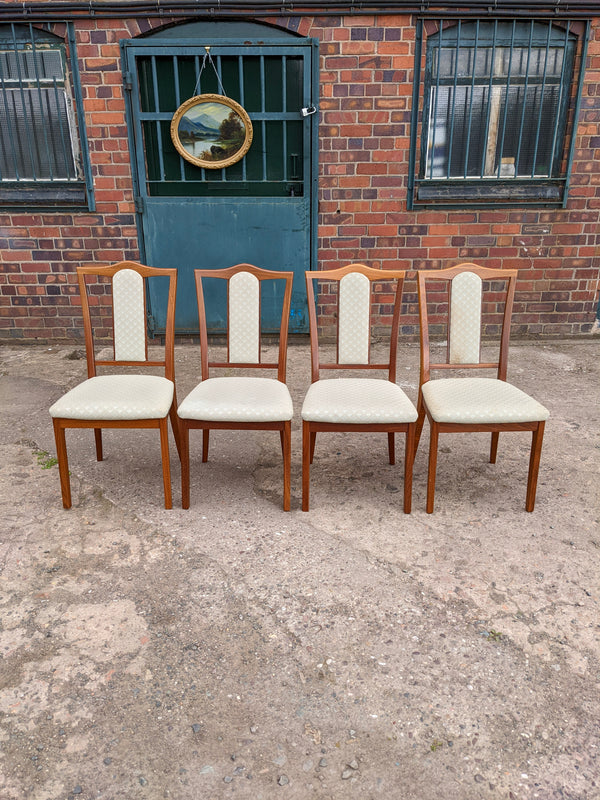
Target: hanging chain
point(208, 57)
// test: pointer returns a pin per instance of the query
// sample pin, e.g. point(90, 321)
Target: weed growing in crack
point(45, 460)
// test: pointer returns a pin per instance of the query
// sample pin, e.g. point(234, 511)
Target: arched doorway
point(260, 209)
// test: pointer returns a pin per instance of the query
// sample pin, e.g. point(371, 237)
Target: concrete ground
point(234, 650)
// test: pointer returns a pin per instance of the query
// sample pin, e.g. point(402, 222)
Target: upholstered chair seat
point(357, 401)
point(243, 399)
point(480, 400)
point(117, 397)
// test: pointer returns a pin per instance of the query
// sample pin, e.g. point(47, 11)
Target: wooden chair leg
point(409, 457)
point(205, 437)
point(494, 447)
point(166, 464)
point(391, 447)
point(184, 435)
point(419, 422)
point(307, 446)
point(313, 440)
point(433, 445)
point(534, 464)
point(63, 463)
point(286, 441)
point(175, 426)
point(98, 440)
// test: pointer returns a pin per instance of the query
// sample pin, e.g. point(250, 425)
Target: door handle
point(294, 158)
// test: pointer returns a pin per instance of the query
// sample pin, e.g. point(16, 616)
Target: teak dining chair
point(356, 404)
point(121, 400)
point(464, 404)
point(240, 402)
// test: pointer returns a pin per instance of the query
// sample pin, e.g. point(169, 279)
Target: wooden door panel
point(227, 232)
point(260, 210)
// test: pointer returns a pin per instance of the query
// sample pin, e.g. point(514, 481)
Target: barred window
point(498, 111)
point(40, 161)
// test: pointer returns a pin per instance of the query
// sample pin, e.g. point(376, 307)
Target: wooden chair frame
point(168, 363)
point(537, 428)
point(284, 427)
point(310, 428)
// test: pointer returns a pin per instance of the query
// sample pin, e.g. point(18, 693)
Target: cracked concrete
point(234, 650)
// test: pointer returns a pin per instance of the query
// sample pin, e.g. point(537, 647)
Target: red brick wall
point(39, 251)
point(366, 96)
point(366, 91)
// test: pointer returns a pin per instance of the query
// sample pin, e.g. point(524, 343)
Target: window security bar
point(266, 85)
point(495, 105)
point(497, 100)
point(36, 143)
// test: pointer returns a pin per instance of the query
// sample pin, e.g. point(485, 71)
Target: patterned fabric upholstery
point(354, 319)
point(117, 397)
point(242, 399)
point(465, 318)
point(480, 400)
point(129, 316)
point(244, 318)
point(357, 401)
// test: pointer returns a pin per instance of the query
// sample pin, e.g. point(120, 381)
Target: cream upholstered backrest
point(465, 318)
point(354, 317)
point(244, 318)
point(129, 316)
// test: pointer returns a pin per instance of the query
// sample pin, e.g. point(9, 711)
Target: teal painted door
point(260, 210)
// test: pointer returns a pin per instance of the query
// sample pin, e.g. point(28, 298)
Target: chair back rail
point(244, 318)
point(129, 315)
point(353, 326)
point(464, 285)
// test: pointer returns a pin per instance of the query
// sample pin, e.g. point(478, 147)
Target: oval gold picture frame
point(211, 131)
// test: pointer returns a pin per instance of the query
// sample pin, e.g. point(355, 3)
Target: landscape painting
point(211, 131)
